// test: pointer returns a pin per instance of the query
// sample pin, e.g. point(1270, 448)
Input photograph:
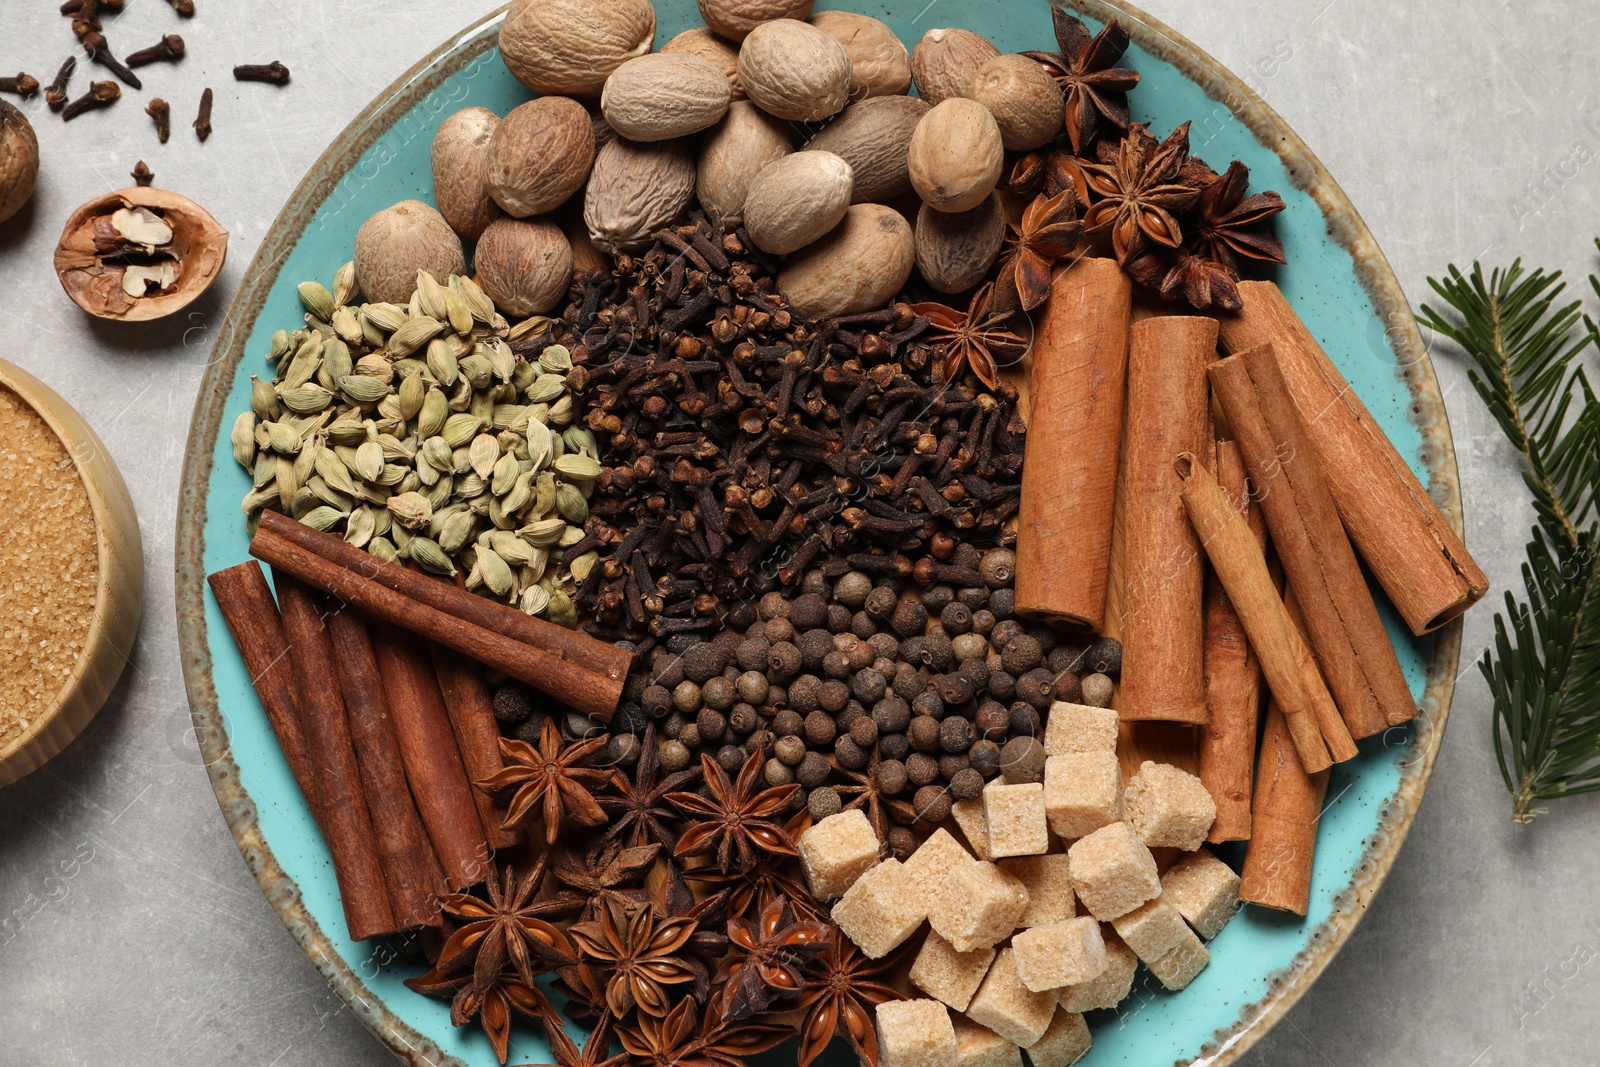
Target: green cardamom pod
point(302, 368)
point(327, 495)
point(442, 363)
point(546, 388)
point(305, 400)
point(540, 450)
point(287, 485)
point(305, 464)
point(392, 474)
point(430, 557)
point(282, 438)
point(580, 567)
point(266, 469)
point(535, 600)
point(345, 288)
point(414, 334)
point(518, 496)
point(317, 300)
point(556, 360)
point(411, 510)
point(570, 536)
point(509, 547)
point(571, 505)
point(258, 498)
point(369, 461)
point(323, 519)
point(435, 412)
point(359, 389)
point(524, 375)
point(396, 450)
point(430, 296)
point(459, 429)
point(382, 548)
point(371, 333)
point(578, 467)
point(457, 311)
point(263, 400)
point(469, 485)
point(375, 366)
point(439, 492)
point(457, 530)
point(578, 439)
point(561, 610)
point(303, 504)
point(478, 370)
point(543, 533)
point(347, 431)
point(506, 417)
point(495, 572)
point(561, 412)
point(504, 477)
point(359, 528)
point(485, 452)
point(435, 453)
point(386, 317)
point(281, 346)
point(336, 361)
point(478, 302)
point(501, 359)
point(411, 393)
point(334, 472)
point(243, 439)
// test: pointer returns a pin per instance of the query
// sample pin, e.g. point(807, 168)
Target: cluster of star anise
point(675, 923)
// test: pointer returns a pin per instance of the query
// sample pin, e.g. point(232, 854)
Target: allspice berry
point(823, 802)
point(902, 842)
point(922, 769)
point(966, 785)
point(956, 734)
point(813, 770)
point(820, 729)
point(1022, 760)
point(923, 733)
point(852, 589)
point(1097, 691)
point(674, 756)
point(932, 805)
point(984, 757)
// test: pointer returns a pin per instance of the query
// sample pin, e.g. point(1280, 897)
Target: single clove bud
point(273, 73)
point(24, 85)
point(161, 112)
point(85, 15)
point(142, 175)
point(56, 94)
point(202, 124)
point(72, 7)
point(171, 47)
point(184, 8)
point(94, 42)
point(100, 94)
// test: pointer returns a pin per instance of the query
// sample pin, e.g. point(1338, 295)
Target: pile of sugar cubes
point(1009, 965)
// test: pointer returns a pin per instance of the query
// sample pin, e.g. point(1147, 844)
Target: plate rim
point(1346, 228)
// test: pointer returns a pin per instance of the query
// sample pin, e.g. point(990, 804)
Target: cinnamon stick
point(248, 608)
point(1080, 363)
point(409, 864)
point(1288, 805)
point(1163, 638)
point(346, 822)
point(1241, 566)
point(1351, 645)
point(1398, 529)
point(583, 689)
point(1232, 678)
point(471, 709)
point(573, 646)
point(433, 763)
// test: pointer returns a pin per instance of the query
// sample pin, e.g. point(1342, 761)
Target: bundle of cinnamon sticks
point(1262, 461)
point(372, 677)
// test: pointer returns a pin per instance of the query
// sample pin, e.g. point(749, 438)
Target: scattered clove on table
point(24, 85)
point(169, 47)
point(273, 73)
point(100, 94)
point(56, 93)
point(160, 113)
point(94, 42)
point(202, 122)
point(142, 174)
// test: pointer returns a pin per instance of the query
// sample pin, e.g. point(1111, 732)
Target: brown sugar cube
point(1169, 807)
point(1178, 967)
point(1113, 871)
point(936, 859)
point(947, 975)
point(837, 851)
point(879, 911)
point(979, 1046)
point(1079, 728)
point(1061, 954)
point(976, 906)
point(974, 825)
point(1066, 1042)
point(1203, 889)
point(1008, 1007)
point(915, 1033)
point(1015, 816)
point(1152, 929)
point(1114, 983)
point(1048, 880)
point(1082, 792)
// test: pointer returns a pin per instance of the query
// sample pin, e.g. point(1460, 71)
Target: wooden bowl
point(119, 596)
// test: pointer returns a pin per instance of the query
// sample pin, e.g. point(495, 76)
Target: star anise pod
point(606, 867)
point(638, 953)
point(842, 988)
point(637, 807)
point(596, 1051)
point(1049, 230)
point(770, 954)
point(1138, 192)
point(492, 1007)
point(1227, 224)
point(686, 1039)
point(736, 820)
point(549, 780)
point(1096, 90)
point(979, 339)
point(510, 926)
point(1049, 171)
point(870, 799)
point(1181, 273)
point(754, 889)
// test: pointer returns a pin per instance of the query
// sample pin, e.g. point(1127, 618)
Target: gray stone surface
point(134, 934)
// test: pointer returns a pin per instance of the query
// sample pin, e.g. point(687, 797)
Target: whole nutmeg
point(524, 266)
point(739, 148)
point(570, 47)
point(793, 70)
point(880, 65)
point(398, 241)
point(1024, 100)
point(460, 161)
point(19, 160)
point(658, 97)
point(860, 266)
point(956, 250)
point(796, 201)
point(539, 156)
point(634, 190)
point(945, 61)
point(707, 45)
point(735, 19)
point(956, 156)
point(874, 137)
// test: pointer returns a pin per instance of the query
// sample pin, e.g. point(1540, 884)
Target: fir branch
point(1544, 668)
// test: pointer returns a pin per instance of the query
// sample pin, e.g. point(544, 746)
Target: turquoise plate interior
point(1336, 278)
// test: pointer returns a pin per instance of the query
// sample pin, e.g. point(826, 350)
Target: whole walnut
point(737, 149)
point(540, 155)
point(956, 156)
point(795, 71)
point(734, 19)
point(880, 65)
point(398, 241)
point(19, 160)
point(635, 190)
point(570, 47)
point(460, 159)
point(860, 266)
point(707, 45)
point(525, 267)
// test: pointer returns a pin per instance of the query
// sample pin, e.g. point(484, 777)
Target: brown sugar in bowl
point(37, 568)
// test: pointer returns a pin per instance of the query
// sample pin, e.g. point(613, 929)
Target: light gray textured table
point(132, 932)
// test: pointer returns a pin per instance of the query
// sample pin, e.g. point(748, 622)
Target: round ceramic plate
point(1336, 278)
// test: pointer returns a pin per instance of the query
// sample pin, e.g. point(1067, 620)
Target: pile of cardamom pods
point(418, 434)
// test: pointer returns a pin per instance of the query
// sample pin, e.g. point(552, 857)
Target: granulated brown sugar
point(49, 566)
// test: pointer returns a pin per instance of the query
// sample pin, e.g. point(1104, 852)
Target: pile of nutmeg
point(799, 128)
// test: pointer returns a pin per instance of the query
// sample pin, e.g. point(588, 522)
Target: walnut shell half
point(95, 259)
